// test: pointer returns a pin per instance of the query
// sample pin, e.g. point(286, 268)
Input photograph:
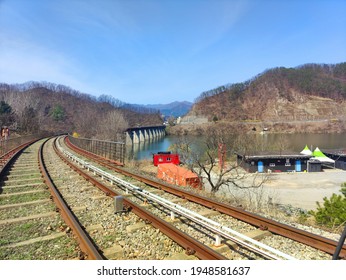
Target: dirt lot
point(304, 189)
point(301, 190)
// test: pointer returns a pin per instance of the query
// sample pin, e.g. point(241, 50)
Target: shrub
point(333, 211)
point(343, 189)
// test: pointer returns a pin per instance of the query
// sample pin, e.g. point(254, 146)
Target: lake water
point(293, 142)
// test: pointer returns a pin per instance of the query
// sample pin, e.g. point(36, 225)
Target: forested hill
point(308, 92)
point(34, 107)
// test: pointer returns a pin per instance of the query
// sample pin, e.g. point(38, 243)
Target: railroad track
point(195, 224)
point(158, 225)
point(91, 223)
point(30, 227)
point(151, 217)
point(82, 205)
point(309, 239)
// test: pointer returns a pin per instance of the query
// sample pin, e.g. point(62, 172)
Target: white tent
point(306, 151)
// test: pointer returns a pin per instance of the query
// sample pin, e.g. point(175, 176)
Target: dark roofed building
point(339, 155)
point(271, 162)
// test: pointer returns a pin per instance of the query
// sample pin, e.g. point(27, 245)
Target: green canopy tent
point(320, 156)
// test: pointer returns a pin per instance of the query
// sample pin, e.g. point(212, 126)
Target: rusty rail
point(85, 243)
point(9, 144)
point(191, 245)
point(310, 239)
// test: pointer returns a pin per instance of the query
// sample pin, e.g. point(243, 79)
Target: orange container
point(177, 175)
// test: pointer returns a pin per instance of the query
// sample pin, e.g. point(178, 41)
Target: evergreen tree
point(333, 211)
point(5, 108)
point(58, 113)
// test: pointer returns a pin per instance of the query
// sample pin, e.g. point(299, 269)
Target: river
point(293, 142)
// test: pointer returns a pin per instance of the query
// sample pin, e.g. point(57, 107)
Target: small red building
point(177, 175)
point(165, 157)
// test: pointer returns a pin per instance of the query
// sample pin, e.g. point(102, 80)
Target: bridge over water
point(136, 135)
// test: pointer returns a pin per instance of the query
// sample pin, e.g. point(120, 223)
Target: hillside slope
point(36, 107)
point(309, 93)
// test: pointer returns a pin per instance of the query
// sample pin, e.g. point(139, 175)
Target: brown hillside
point(307, 93)
point(35, 107)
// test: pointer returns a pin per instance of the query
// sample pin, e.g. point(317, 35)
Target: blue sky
point(160, 51)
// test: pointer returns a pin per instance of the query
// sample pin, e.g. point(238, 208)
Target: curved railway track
point(85, 243)
point(191, 245)
point(90, 246)
point(30, 227)
point(85, 215)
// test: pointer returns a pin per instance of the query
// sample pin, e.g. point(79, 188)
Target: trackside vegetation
point(332, 213)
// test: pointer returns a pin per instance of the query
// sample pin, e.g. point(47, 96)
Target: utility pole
point(340, 244)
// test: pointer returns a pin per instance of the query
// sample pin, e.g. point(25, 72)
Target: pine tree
point(333, 211)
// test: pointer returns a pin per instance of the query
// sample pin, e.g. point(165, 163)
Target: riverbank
point(299, 126)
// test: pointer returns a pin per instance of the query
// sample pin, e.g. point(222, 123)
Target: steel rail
point(313, 240)
point(207, 223)
point(85, 243)
point(318, 242)
point(191, 245)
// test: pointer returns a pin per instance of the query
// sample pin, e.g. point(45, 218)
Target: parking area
point(304, 189)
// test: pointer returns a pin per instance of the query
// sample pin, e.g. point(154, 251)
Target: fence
point(107, 149)
point(9, 144)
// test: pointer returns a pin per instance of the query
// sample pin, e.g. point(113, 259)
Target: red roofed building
point(166, 157)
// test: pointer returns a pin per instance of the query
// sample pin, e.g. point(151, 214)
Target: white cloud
point(22, 61)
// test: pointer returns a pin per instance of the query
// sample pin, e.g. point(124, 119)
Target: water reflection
point(296, 142)
point(145, 150)
point(292, 142)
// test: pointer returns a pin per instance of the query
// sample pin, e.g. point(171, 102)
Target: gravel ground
point(301, 190)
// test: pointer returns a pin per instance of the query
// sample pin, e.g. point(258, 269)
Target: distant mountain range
point(175, 109)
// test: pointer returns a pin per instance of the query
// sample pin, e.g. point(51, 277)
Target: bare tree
point(215, 161)
point(112, 126)
point(28, 121)
point(282, 144)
